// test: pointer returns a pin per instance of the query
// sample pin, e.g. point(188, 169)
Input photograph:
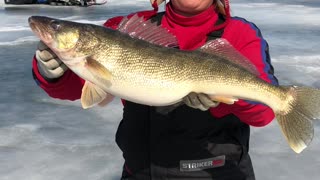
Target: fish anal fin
point(91, 95)
point(137, 27)
point(221, 47)
point(98, 70)
point(223, 99)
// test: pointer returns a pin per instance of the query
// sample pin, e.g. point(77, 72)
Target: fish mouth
point(39, 25)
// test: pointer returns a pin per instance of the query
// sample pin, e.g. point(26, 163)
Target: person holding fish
point(201, 136)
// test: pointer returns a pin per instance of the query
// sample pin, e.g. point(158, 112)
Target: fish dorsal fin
point(221, 47)
point(91, 95)
point(137, 27)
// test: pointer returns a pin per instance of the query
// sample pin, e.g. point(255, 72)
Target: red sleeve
point(247, 38)
point(68, 87)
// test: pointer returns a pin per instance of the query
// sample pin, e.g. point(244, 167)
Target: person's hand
point(49, 65)
point(199, 101)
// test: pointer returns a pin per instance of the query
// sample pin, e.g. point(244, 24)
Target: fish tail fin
point(296, 121)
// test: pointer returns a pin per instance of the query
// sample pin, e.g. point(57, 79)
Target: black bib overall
point(185, 144)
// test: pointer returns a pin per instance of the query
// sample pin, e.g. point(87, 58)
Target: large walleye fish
point(137, 63)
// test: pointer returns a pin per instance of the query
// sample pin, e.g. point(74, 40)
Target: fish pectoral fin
point(224, 99)
point(222, 48)
point(92, 95)
point(98, 70)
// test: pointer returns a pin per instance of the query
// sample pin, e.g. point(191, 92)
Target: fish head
point(67, 39)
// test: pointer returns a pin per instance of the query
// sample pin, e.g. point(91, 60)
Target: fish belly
point(153, 96)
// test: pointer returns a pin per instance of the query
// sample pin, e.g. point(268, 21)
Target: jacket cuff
point(43, 81)
point(67, 87)
point(257, 115)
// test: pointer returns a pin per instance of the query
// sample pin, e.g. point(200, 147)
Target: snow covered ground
point(46, 139)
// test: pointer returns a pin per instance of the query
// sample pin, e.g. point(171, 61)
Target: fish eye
point(55, 25)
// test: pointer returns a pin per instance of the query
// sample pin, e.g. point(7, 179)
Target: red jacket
point(191, 34)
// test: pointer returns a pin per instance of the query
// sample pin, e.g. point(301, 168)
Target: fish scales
point(172, 69)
